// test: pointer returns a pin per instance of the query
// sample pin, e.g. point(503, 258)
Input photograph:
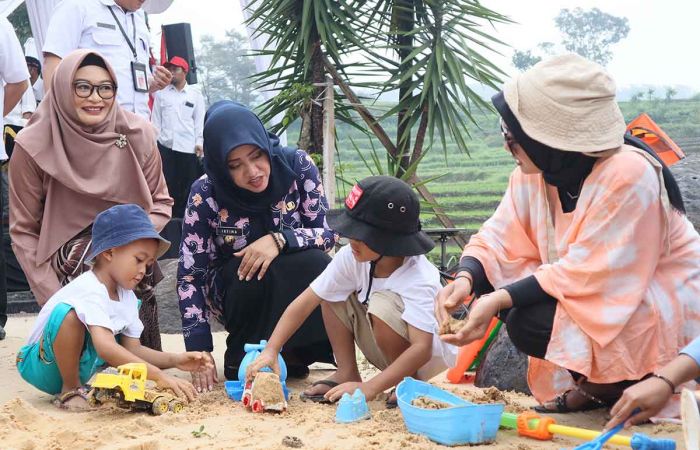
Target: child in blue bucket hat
point(95, 318)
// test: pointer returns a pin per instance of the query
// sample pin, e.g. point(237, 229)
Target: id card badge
point(140, 76)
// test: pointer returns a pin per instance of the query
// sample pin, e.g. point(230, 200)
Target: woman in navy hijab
point(254, 236)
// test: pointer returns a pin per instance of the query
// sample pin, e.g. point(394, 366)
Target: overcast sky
point(661, 48)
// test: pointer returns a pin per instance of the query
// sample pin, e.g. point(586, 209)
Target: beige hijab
point(83, 170)
point(88, 160)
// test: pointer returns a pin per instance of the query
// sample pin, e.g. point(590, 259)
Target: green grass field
point(471, 184)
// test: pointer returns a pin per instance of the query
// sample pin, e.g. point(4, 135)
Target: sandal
point(319, 398)
point(559, 406)
point(60, 400)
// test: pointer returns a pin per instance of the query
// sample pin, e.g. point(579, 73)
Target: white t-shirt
point(89, 297)
point(26, 105)
point(179, 118)
point(417, 281)
point(88, 24)
point(13, 67)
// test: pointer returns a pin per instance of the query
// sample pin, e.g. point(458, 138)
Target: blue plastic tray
point(466, 423)
point(234, 390)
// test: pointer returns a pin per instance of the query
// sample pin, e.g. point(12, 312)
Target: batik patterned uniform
point(623, 267)
point(299, 215)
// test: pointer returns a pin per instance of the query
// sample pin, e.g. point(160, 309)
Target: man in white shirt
point(117, 30)
point(178, 115)
point(14, 80)
point(17, 119)
point(34, 67)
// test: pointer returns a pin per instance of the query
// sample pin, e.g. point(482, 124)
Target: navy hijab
point(228, 125)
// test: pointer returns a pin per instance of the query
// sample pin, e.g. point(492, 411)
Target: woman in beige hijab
point(81, 154)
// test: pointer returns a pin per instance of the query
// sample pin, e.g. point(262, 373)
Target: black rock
point(503, 367)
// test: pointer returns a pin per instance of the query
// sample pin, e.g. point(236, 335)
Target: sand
point(29, 421)
point(451, 325)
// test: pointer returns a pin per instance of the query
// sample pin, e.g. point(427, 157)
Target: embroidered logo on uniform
point(354, 196)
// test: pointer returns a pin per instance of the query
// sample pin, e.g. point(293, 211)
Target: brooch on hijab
point(121, 141)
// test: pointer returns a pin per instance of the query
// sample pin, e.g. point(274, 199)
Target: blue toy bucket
point(465, 423)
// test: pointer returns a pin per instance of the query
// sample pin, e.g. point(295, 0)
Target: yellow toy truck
point(127, 388)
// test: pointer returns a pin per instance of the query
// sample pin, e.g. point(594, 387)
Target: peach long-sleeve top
point(623, 266)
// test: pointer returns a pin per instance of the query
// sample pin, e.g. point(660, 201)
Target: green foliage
point(590, 33)
point(523, 60)
point(224, 69)
point(20, 22)
point(201, 433)
point(670, 93)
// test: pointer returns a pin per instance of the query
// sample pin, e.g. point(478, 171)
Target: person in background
point(14, 80)
point(178, 116)
point(34, 66)
point(117, 30)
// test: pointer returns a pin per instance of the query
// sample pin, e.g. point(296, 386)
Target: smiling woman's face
point(93, 109)
point(249, 168)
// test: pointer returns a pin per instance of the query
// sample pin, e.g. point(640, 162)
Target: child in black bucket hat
point(378, 293)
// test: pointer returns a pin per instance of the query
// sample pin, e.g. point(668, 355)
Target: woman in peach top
point(594, 264)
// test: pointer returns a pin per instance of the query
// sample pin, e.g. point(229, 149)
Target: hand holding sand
point(479, 318)
point(451, 296)
point(266, 358)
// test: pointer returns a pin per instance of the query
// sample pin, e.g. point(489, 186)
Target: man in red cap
point(178, 115)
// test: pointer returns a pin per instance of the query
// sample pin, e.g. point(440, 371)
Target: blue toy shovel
point(597, 443)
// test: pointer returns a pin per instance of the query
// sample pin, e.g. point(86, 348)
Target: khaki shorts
point(384, 305)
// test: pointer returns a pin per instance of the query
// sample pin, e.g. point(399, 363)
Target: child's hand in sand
point(266, 358)
point(181, 388)
point(349, 387)
point(193, 361)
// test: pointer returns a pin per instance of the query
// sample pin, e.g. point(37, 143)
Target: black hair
point(93, 59)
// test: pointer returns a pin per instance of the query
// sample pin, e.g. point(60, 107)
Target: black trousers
point(530, 326)
point(252, 309)
point(180, 170)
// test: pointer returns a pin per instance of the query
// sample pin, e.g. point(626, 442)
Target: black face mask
point(564, 170)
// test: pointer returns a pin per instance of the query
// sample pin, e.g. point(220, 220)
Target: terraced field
point(471, 185)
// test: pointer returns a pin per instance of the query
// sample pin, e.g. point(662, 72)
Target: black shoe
point(2, 333)
point(231, 372)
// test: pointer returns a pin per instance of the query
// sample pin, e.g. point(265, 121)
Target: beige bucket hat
point(567, 102)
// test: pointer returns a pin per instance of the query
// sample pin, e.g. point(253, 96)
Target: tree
point(636, 97)
point(670, 93)
point(423, 49)
point(591, 33)
point(20, 21)
point(224, 68)
point(650, 94)
point(523, 60)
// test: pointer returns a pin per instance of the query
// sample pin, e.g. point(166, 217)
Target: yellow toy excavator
point(127, 388)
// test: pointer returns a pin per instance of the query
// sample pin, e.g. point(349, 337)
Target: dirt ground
point(29, 421)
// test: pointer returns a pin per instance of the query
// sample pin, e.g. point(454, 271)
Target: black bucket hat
point(384, 213)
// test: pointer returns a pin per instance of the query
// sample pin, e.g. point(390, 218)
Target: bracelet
point(463, 276)
point(277, 242)
point(667, 381)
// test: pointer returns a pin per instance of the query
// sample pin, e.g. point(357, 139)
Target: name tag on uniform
point(140, 76)
point(189, 104)
point(229, 231)
point(109, 26)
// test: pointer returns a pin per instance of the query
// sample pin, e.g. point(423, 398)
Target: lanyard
point(121, 28)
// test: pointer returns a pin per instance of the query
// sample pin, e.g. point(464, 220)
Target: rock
point(687, 174)
point(503, 367)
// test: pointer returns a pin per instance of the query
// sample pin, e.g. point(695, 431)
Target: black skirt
point(252, 309)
